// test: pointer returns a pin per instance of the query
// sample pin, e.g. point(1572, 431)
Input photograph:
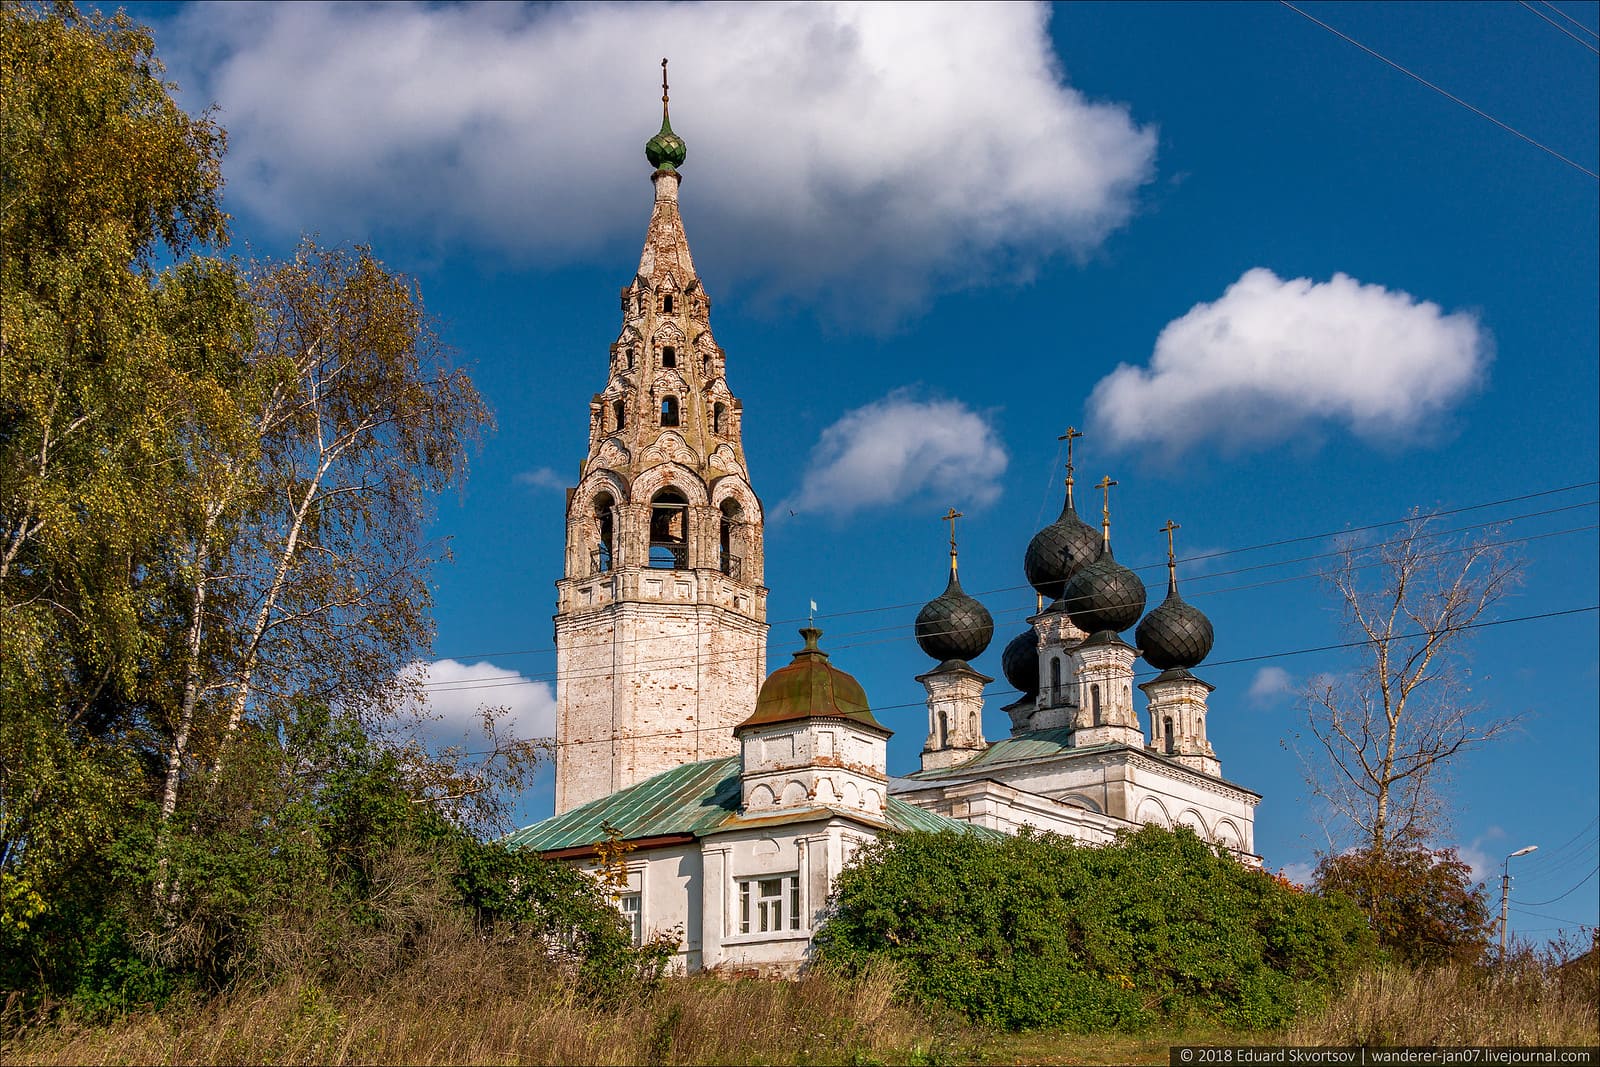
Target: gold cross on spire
point(1172, 556)
point(1105, 509)
point(951, 516)
point(1072, 434)
point(663, 88)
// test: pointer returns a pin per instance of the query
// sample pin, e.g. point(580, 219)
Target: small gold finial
point(1105, 509)
point(951, 516)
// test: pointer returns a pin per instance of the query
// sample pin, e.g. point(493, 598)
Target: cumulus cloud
point(456, 693)
point(898, 448)
point(1272, 358)
point(1269, 684)
point(542, 478)
point(832, 147)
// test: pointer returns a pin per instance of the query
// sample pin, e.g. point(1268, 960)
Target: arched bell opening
point(619, 414)
point(669, 411)
point(1172, 742)
point(669, 530)
point(603, 557)
point(731, 539)
point(719, 418)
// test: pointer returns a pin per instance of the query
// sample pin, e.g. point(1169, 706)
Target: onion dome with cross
point(953, 626)
point(1103, 594)
point(1176, 633)
point(1057, 552)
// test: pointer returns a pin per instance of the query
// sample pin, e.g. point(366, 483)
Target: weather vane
point(951, 516)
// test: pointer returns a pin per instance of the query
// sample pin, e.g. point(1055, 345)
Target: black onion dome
point(953, 625)
point(1057, 551)
point(1104, 595)
point(1020, 662)
point(1175, 634)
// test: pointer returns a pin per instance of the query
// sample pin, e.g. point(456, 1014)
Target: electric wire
point(1442, 92)
point(1569, 18)
point(1301, 539)
point(1001, 616)
point(1563, 896)
point(1559, 27)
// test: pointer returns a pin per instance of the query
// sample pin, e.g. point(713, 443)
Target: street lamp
point(1505, 892)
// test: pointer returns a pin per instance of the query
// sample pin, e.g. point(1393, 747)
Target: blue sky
point(1288, 290)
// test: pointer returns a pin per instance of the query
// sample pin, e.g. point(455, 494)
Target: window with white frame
point(769, 905)
point(631, 906)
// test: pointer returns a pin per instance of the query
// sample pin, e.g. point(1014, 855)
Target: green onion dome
point(1104, 595)
point(666, 150)
point(1020, 662)
point(954, 626)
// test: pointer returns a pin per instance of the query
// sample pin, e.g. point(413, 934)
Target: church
point(723, 801)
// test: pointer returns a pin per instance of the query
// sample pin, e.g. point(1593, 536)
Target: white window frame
point(631, 905)
point(769, 904)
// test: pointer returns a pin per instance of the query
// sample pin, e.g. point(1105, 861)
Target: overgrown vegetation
point(1039, 931)
point(1421, 903)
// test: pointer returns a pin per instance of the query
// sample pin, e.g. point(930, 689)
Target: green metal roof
point(694, 799)
point(1031, 746)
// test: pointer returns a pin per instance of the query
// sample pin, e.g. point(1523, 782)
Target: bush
point(1037, 930)
point(1420, 902)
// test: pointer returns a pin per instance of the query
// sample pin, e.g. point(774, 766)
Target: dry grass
point(487, 1005)
point(1528, 1002)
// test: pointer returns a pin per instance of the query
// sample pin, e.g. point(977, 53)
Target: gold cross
point(951, 516)
point(1105, 511)
point(1172, 556)
point(1072, 434)
point(663, 83)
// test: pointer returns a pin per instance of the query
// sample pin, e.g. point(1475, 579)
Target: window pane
point(744, 907)
point(794, 903)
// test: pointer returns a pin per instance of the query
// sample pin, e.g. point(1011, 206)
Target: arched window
point(669, 411)
point(669, 356)
point(1055, 681)
point(1094, 702)
point(630, 358)
point(719, 414)
point(666, 305)
point(731, 539)
point(604, 558)
point(620, 412)
point(944, 729)
point(669, 530)
point(1172, 742)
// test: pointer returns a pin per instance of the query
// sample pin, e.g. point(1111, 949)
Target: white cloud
point(1300, 873)
point(542, 478)
point(898, 448)
point(832, 147)
point(455, 694)
point(1273, 358)
point(1269, 684)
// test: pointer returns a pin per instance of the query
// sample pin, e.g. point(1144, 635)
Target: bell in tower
point(661, 612)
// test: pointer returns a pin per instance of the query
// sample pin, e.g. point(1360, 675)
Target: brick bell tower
point(660, 621)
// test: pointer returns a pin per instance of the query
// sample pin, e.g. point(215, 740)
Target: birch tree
point(1384, 735)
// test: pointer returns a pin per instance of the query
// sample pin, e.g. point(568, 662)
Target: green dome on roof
point(810, 687)
point(666, 150)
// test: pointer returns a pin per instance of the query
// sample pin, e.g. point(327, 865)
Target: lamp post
point(1505, 892)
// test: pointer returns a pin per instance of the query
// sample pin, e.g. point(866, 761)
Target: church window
point(631, 906)
point(619, 411)
point(1172, 742)
point(769, 905)
point(630, 358)
point(669, 411)
point(719, 414)
point(666, 305)
point(606, 543)
point(669, 529)
point(1094, 702)
point(944, 730)
point(669, 356)
point(1055, 682)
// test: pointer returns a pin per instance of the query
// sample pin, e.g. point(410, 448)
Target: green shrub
point(1037, 930)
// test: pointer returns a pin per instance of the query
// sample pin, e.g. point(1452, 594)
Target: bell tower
point(660, 621)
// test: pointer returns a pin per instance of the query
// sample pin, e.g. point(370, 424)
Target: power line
point(1447, 95)
point(899, 628)
point(1559, 27)
point(1301, 539)
point(1563, 896)
point(1569, 18)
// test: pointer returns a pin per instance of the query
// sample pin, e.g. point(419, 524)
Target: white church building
point(737, 796)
